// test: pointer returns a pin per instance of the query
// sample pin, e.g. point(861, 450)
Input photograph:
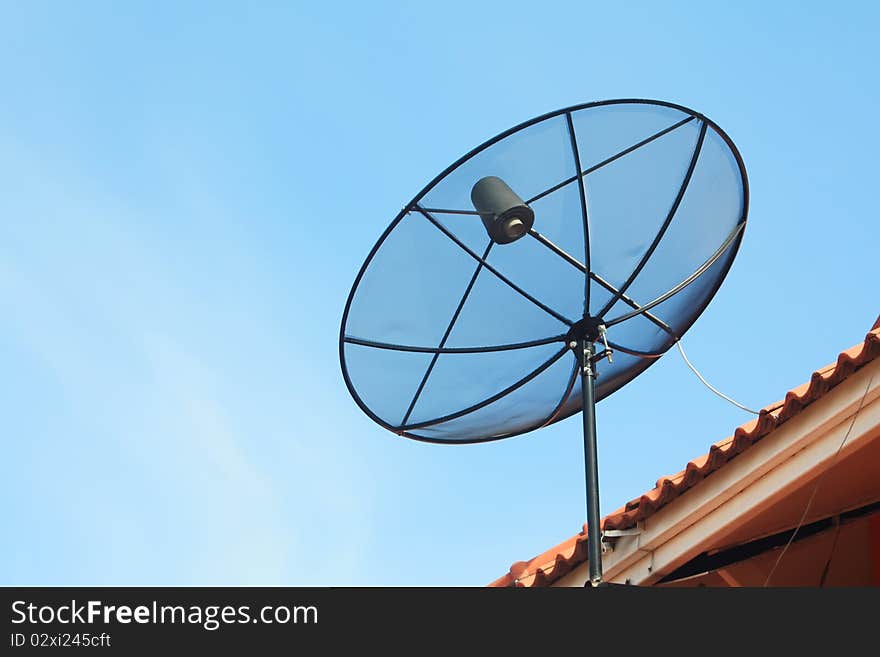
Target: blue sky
point(190, 188)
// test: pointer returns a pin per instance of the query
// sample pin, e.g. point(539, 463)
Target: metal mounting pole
point(586, 351)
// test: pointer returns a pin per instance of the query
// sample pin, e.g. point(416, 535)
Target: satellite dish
point(541, 272)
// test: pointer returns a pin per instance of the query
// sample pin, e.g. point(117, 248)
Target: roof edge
point(551, 565)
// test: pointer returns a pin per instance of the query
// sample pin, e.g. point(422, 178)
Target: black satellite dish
point(575, 248)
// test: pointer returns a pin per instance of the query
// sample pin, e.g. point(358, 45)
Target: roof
point(563, 558)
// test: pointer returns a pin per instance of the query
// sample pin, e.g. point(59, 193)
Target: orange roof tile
point(563, 558)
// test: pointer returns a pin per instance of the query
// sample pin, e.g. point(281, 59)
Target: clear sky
point(188, 190)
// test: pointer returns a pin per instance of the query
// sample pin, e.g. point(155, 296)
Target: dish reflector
point(626, 213)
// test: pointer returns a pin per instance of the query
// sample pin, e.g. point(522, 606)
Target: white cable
point(709, 385)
